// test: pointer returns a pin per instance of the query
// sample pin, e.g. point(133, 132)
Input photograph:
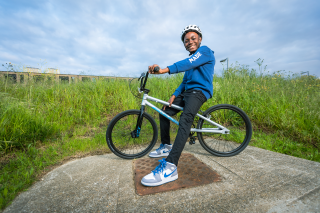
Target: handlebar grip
point(156, 69)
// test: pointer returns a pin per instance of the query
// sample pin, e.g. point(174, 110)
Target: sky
point(122, 38)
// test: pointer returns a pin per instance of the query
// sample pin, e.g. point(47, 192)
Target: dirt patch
point(4, 160)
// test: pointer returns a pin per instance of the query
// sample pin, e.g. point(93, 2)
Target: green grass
point(42, 124)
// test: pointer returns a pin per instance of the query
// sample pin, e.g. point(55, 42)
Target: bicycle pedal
point(192, 141)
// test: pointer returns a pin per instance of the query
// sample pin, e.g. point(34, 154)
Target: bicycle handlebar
point(143, 84)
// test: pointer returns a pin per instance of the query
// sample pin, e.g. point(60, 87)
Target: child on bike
point(195, 89)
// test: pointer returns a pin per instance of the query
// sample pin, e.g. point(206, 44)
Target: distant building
point(31, 69)
point(52, 70)
point(37, 70)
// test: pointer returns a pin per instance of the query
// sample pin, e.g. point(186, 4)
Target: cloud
point(124, 37)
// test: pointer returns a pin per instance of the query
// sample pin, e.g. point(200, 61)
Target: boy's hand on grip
point(155, 69)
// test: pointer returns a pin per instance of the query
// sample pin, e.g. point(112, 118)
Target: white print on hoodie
point(196, 56)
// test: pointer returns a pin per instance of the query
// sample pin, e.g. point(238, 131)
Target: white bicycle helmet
point(192, 28)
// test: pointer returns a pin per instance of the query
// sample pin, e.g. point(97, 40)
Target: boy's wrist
point(165, 70)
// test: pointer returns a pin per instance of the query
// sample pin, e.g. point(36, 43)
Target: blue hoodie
point(198, 69)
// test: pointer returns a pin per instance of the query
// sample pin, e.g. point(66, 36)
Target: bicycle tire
point(225, 145)
point(119, 137)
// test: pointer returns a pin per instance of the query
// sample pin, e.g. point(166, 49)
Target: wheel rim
point(124, 144)
point(226, 143)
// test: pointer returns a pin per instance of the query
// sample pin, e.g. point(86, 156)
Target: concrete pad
point(256, 180)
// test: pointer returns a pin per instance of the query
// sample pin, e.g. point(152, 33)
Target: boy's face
point(192, 41)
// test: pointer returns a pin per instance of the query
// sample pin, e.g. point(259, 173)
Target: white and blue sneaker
point(164, 173)
point(162, 151)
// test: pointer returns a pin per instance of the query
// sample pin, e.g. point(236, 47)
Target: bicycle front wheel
point(120, 140)
point(234, 119)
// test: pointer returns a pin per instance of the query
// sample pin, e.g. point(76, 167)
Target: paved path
point(254, 181)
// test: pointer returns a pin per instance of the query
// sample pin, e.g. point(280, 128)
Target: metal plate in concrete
point(191, 171)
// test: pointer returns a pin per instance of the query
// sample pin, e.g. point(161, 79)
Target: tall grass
point(36, 112)
point(288, 104)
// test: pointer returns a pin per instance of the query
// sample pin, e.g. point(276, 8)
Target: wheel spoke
point(233, 119)
point(120, 139)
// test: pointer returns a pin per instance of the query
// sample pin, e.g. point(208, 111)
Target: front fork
point(135, 133)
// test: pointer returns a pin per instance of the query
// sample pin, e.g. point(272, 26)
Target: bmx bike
point(223, 130)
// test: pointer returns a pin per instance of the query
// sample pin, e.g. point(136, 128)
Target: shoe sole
point(157, 156)
point(167, 180)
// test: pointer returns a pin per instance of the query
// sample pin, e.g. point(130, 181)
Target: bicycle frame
point(145, 102)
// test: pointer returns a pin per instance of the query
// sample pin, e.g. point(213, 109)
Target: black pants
point(191, 101)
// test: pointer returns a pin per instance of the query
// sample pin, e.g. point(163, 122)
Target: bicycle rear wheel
point(225, 145)
point(119, 138)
